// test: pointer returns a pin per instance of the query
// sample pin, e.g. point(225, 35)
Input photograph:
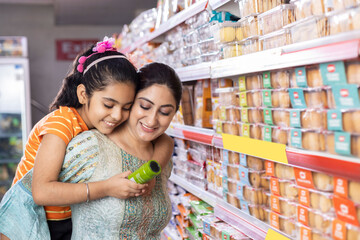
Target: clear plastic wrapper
point(232, 50)
point(231, 128)
point(251, 45)
point(308, 8)
point(233, 200)
point(226, 32)
point(179, 172)
point(210, 57)
point(181, 153)
point(204, 32)
point(232, 157)
point(251, 98)
point(279, 117)
point(197, 181)
point(309, 29)
point(310, 233)
point(312, 140)
point(313, 77)
point(191, 38)
point(254, 195)
point(277, 18)
point(278, 134)
point(253, 82)
point(180, 162)
point(316, 97)
point(342, 4)
point(191, 61)
point(197, 155)
point(265, 182)
point(208, 46)
point(250, 27)
point(353, 232)
point(248, 7)
point(284, 188)
point(323, 181)
point(254, 115)
point(353, 70)
point(315, 119)
point(275, 39)
point(353, 149)
point(282, 223)
point(282, 205)
point(228, 96)
point(232, 114)
point(233, 172)
point(252, 177)
point(283, 171)
point(318, 200)
point(255, 131)
point(258, 212)
point(255, 163)
point(232, 186)
point(316, 220)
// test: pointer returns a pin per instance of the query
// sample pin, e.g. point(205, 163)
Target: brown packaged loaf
point(281, 99)
point(317, 7)
point(255, 116)
point(256, 98)
point(280, 79)
point(231, 128)
point(313, 119)
point(313, 141)
point(255, 163)
point(288, 190)
point(330, 99)
point(323, 182)
point(287, 226)
point(255, 179)
point(233, 200)
point(281, 118)
point(320, 202)
point(255, 132)
point(354, 191)
point(355, 145)
point(316, 99)
point(232, 114)
point(264, 182)
point(187, 106)
point(330, 143)
point(232, 187)
point(313, 77)
point(353, 233)
point(279, 135)
point(287, 208)
point(233, 172)
point(350, 121)
point(284, 171)
point(234, 158)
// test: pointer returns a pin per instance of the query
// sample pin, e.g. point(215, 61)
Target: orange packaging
point(303, 215)
point(203, 112)
point(183, 222)
point(339, 230)
point(304, 197)
point(305, 233)
point(274, 220)
point(341, 187)
point(274, 186)
point(345, 210)
point(304, 178)
point(270, 168)
point(225, 83)
point(275, 203)
point(183, 211)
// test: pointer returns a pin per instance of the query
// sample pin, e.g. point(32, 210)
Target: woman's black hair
point(159, 73)
point(96, 78)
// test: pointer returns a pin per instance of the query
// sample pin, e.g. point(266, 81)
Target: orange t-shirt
point(65, 123)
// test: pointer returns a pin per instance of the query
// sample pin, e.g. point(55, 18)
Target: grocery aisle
point(267, 133)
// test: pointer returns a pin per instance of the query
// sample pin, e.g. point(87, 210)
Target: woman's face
point(152, 112)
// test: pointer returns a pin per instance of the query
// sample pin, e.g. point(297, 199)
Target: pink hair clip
point(105, 45)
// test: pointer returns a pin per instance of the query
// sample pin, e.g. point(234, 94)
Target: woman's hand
point(121, 187)
point(151, 185)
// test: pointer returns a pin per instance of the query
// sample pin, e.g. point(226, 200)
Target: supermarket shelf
point(200, 193)
point(196, 134)
point(195, 72)
point(168, 25)
point(214, 4)
point(348, 167)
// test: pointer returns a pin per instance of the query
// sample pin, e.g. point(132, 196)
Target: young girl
point(98, 93)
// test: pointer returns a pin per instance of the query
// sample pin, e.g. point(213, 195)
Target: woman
point(126, 149)
point(92, 156)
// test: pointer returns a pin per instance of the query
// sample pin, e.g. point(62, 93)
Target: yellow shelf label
point(273, 235)
point(262, 149)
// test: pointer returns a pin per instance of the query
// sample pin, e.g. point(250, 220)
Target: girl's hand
point(150, 187)
point(121, 187)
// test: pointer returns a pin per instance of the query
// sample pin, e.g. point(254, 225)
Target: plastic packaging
point(275, 39)
point(146, 172)
point(276, 18)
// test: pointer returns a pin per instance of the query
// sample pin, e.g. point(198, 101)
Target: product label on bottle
point(342, 143)
point(242, 85)
point(245, 129)
point(304, 178)
point(268, 119)
point(303, 215)
point(346, 96)
point(266, 80)
point(244, 115)
point(333, 73)
point(244, 175)
point(240, 191)
point(334, 120)
point(345, 210)
point(243, 101)
point(305, 233)
point(275, 203)
point(274, 186)
point(244, 206)
point(300, 77)
point(297, 98)
point(267, 133)
point(341, 187)
point(304, 196)
point(296, 138)
point(270, 168)
point(267, 98)
point(295, 118)
point(243, 159)
point(339, 230)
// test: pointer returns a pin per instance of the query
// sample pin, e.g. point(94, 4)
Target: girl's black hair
point(159, 73)
point(96, 78)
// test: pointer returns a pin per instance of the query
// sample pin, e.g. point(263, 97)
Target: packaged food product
point(315, 98)
point(280, 98)
point(282, 223)
point(281, 117)
point(310, 118)
point(284, 171)
point(208, 46)
point(342, 4)
point(304, 232)
point(232, 186)
point(330, 98)
point(308, 29)
point(265, 182)
point(255, 131)
point(233, 172)
point(354, 191)
point(310, 139)
point(252, 98)
point(187, 105)
point(313, 76)
point(352, 232)
point(250, 177)
point(322, 181)
point(353, 71)
point(280, 79)
point(232, 114)
point(302, 9)
point(279, 135)
point(253, 82)
point(231, 128)
point(248, 7)
point(203, 111)
point(277, 18)
point(349, 118)
point(249, 26)
point(255, 115)
point(227, 96)
point(233, 200)
point(340, 22)
point(234, 158)
point(225, 32)
point(315, 199)
point(204, 32)
point(232, 49)
point(332, 144)
point(282, 206)
point(275, 39)
point(284, 188)
point(315, 219)
point(254, 195)
point(251, 45)
point(255, 163)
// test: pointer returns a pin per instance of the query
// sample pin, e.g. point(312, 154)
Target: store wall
point(36, 22)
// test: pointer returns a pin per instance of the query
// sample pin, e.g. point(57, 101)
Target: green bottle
point(146, 172)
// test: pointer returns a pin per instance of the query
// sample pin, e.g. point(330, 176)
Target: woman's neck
point(126, 139)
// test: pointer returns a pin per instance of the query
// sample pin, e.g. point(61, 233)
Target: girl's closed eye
point(165, 113)
point(108, 106)
point(144, 107)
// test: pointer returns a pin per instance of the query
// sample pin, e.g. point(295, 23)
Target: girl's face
point(108, 108)
point(152, 112)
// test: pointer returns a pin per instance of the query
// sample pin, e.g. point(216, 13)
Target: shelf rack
point(245, 223)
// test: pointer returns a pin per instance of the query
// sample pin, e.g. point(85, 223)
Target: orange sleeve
point(59, 125)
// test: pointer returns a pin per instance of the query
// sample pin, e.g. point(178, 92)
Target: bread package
point(280, 99)
point(255, 115)
point(316, 98)
point(255, 163)
point(313, 119)
point(355, 145)
point(187, 105)
point(233, 200)
point(279, 135)
point(284, 171)
point(280, 79)
point(233, 172)
point(281, 117)
point(255, 131)
point(234, 158)
point(313, 141)
point(354, 191)
point(323, 182)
